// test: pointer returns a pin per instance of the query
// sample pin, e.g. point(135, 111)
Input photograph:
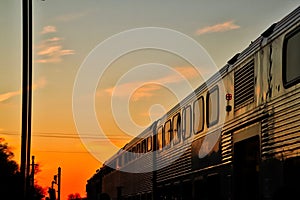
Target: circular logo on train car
point(111, 78)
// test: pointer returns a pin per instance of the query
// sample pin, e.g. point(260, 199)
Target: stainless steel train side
point(247, 117)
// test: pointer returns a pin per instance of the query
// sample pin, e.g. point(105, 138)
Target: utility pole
point(32, 172)
point(26, 95)
point(58, 183)
point(51, 191)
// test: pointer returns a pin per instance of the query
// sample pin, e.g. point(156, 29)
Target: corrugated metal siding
point(281, 132)
point(110, 184)
point(244, 120)
point(136, 183)
point(130, 183)
point(141, 181)
point(179, 167)
point(226, 147)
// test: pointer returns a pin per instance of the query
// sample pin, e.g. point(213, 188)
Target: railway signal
point(56, 181)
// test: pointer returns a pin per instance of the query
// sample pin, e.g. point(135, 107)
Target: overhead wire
point(67, 136)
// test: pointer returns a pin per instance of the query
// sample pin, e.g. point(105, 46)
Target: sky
point(68, 32)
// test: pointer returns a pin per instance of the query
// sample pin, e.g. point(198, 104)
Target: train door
point(119, 193)
point(208, 187)
point(186, 187)
point(246, 163)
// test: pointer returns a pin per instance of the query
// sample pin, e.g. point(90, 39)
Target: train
point(192, 153)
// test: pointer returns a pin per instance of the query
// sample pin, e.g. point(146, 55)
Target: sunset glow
point(66, 32)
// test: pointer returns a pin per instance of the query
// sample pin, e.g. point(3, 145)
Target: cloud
point(150, 87)
point(40, 83)
point(51, 50)
point(146, 91)
point(48, 29)
point(188, 72)
point(52, 54)
point(54, 51)
point(54, 39)
point(226, 26)
point(143, 90)
point(8, 95)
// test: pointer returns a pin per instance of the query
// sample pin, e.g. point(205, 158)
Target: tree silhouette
point(37, 192)
point(8, 166)
point(75, 196)
point(10, 178)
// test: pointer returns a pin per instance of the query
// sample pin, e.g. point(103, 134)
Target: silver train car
point(236, 137)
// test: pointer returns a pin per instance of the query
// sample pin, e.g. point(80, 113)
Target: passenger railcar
point(252, 153)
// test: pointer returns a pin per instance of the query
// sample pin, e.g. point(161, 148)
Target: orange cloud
point(143, 91)
point(49, 29)
point(54, 39)
point(41, 83)
point(51, 51)
point(226, 26)
point(8, 95)
point(148, 89)
point(188, 72)
point(37, 85)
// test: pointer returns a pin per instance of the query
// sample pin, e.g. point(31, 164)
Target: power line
point(71, 136)
point(71, 152)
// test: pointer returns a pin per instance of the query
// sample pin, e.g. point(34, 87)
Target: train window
point(212, 106)
point(133, 153)
point(149, 143)
point(121, 164)
point(291, 58)
point(138, 149)
point(132, 157)
point(129, 155)
point(122, 160)
point(198, 110)
point(144, 148)
point(118, 162)
point(126, 157)
point(167, 136)
point(187, 122)
point(159, 140)
point(113, 164)
point(176, 129)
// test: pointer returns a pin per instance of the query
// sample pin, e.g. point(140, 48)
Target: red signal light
point(228, 97)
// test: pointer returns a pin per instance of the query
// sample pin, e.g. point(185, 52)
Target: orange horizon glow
point(70, 161)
